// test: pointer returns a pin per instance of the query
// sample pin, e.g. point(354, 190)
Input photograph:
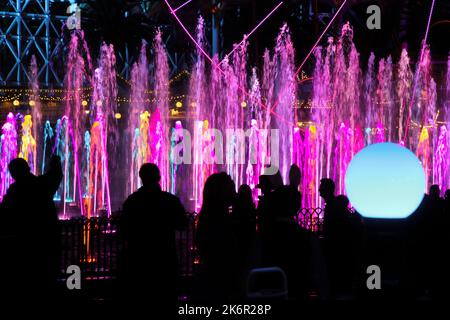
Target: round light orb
point(118, 116)
point(178, 104)
point(16, 103)
point(31, 103)
point(243, 104)
point(385, 180)
point(84, 103)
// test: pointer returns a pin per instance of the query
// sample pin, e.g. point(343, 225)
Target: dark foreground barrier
point(94, 244)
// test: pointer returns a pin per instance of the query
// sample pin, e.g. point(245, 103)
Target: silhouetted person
point(335, 229)
point(427, 241)
point(216, 243)
point(264, 184)
point(435, 192)
point(267, 183)
point(243, 219)
point(33, 236)
point(445, 240)
point(433, 234)
point(150, 218)
point(326, 192)
point(286, 244)
point(413, 276)
point(263, 209)
point(343, 244)
point(294, 176)
point(294, 183)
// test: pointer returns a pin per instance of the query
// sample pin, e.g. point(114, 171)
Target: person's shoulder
point(169, 196)
point(133, 197)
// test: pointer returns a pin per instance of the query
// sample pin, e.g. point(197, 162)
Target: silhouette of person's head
point(219, 191)
point(149, 174)
point(270, 181)
point(435, 192)
point(264, 184)
point(294, 176)
point(243, 209)
point(326, 189)
point(244, 193)
point(276, 179)
point(342, 202)
point(19, 169)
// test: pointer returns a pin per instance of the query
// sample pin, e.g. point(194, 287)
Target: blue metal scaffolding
point(28, 28)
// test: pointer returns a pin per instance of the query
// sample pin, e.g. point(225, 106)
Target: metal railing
point(311, 219)
point(94, 245)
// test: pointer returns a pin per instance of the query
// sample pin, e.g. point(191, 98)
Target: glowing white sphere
point(385, 180)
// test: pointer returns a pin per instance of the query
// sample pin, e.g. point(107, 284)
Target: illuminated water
point(354, 103)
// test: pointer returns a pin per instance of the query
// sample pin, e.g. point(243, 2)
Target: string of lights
point(59, 95)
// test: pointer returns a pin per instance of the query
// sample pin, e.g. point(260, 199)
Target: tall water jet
point(199, 102)
point(350, 104)
point(36, 113)
point(369, 101)
point(256, 145)
point(322, 114)
point(138, 152)
point(267, 90)
point(441, 159)
point(384, 98)
point(162, 106)
point(285, 93)
point(324, 103)
point(8, 152)
point(98, 197)
point(103, 135)
point(234, 108)
point(177, 150)
point(447, 118)
point(403, 90)
point(386, 113)
point(85, 167)
point(442, 154)
point(237, 114)
point(309, 168)
point(64, 147)
point(423, 116)
point(73, 121)
point(28, 146)
point(337, 109)
point(47, 141)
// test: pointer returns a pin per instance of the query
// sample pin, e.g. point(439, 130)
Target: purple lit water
point(354, 103)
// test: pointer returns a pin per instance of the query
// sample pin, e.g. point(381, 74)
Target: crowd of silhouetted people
point(237, 239)
point(29, 233)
